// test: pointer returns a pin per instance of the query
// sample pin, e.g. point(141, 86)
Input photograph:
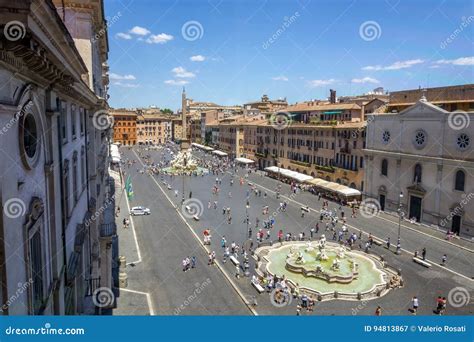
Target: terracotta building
point(125, 126)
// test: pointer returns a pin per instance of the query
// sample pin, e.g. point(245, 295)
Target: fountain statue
point(184, 162)
point(341, 252)
point(309, 247)
point(300, 259)
point(321, 255)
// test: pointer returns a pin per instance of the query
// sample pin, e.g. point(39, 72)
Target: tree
point(166, 111)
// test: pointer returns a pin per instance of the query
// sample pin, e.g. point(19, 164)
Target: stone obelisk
point(184, 137)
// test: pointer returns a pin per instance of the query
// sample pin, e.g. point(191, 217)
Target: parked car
point(139, 211)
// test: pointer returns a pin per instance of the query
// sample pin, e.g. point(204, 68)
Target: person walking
point(423, 253)
point(378, 311)
point(415, 303)
point(443, 260)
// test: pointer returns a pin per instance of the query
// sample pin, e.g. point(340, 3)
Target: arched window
point(384, 167)
point(417, 174)
point(460, 180)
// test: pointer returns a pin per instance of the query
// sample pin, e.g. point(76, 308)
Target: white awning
point(334, 187)
point(219, 153)
point(300, 177)
point(114, 153)
point(244, 160)
point(202, 147)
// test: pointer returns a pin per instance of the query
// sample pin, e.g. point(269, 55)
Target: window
point(74, 177)
point(82, 116)
point(384, 167)
point(460, 180)
point(66, 189)
point(83, 167)
point(63, 121)
point(463, 141)
point(419, 140)
point(36, 268)
point(73, 121)
point(417, 174)
point(386, 137)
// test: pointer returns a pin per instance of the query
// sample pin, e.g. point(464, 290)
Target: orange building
point(125, 126)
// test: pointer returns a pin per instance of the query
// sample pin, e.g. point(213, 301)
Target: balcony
point(346, 150)
point(107, 230)
point(325, 168)
point(300, 163)
point(92, 285)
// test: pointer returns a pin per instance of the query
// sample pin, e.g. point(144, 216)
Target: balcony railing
point(92, 285)
point(108, 229)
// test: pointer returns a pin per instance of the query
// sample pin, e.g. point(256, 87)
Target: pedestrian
point(184, 265)
point(415, 304)
point(443, 259)
point(311, 232)
point(423, 253)
point(387, 242)
point(190, 194)
point(378, 311)
point(223, 242)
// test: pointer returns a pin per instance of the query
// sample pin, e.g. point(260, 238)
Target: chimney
point(332, 96)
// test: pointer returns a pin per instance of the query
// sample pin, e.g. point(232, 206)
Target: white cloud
point(197, 58)
point(182, 72)
point(161, 38)
point(139, 31)
point(125, 85)
point(320, 83)
point(113, 76)
point(176, 82)
point(280, 78)
point(123, 35)
point(365, 80)
point(458, 61)
point(395, 66)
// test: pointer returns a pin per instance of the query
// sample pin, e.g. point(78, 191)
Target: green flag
point(129, 188)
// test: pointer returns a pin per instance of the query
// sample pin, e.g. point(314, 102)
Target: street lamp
point(400, 215)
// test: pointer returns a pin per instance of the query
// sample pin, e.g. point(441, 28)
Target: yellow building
point(153, 129)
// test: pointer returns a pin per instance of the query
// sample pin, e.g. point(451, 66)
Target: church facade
point(422, 160)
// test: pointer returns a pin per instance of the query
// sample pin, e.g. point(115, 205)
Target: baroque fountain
point(327, 270)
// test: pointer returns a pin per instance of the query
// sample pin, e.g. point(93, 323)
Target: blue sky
point(233, 51)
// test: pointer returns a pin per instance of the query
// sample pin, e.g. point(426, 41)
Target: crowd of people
point(266, 226)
